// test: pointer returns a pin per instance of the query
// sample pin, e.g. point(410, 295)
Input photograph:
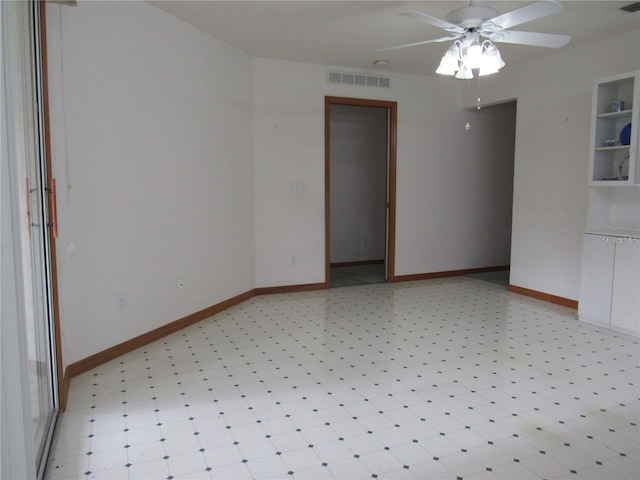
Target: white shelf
point(622, 114)
point(614, 162)
point(613, 148)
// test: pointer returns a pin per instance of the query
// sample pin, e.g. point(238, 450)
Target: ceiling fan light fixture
point(465, 73)
point(492, 56)
point(449, 63)
point(473, 22)
point(472, 56)
point(462, 58)
point(446, 68)
point(491, 60)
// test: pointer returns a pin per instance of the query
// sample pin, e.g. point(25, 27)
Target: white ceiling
point(349, 33)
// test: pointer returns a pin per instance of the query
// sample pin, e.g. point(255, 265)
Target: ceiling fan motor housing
point(471, 16)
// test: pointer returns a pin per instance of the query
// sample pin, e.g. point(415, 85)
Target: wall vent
point(359, 79)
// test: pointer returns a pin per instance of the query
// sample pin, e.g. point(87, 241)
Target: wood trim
point(355, 264)
point(547, 297)
point(393, 161)
point(64, 384)
point(109, 354)
point(449, 273)
point(309, 287)
point(327, 190)
point(61, 389)
point(393, 128)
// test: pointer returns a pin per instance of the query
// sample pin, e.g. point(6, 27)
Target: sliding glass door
point(29, 375)
point(36, 267)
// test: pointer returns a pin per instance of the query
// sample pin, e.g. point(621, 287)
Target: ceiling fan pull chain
point(467, 126)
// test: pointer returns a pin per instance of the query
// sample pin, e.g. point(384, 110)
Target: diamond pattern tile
point(449, 378)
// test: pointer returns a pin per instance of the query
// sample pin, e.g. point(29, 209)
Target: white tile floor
point(442, 379)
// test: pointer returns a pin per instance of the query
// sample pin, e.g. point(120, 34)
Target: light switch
point(295, 187)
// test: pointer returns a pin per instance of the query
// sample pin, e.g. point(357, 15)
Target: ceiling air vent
point(358, 79)
point(632, 7)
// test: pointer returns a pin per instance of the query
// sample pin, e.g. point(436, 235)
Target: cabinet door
point(625, 304)
point(596, 279)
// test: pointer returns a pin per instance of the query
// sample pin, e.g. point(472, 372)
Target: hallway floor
point(454, 378)
point(349, 276)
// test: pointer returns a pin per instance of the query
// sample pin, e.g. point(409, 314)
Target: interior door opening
point(360, 190)
point(496, 125)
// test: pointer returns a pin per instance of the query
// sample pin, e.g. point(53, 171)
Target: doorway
point(360, 172)
point(494, 128)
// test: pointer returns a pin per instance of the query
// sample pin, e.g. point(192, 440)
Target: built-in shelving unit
point(614, 164)
point(610, 268)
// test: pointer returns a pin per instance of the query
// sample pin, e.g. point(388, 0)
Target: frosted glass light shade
point(492, 58)
point(464, 73)
point(472, 58)
point(449, 63)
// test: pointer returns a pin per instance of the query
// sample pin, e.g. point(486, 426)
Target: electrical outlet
point(180, 283)
point(122, 302)
point(293, 259)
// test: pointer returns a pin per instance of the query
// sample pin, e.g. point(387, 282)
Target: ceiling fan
point(468, 25)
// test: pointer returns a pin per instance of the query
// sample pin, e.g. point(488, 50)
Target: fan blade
point(530, 12)
point(549, 40)
point(424, 18)
point(424, 42)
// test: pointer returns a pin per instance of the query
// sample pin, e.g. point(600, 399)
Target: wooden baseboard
point(547, 297)
point(308, 287)
point(448, 273)
point(63, 390)
point(109, 354)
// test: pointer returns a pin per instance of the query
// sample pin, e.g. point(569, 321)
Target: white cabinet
point(610, 281)
point(596, 279)
point(614, 132)
point(625, 301)
point(610, 267)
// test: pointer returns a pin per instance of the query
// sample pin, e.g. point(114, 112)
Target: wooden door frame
point(392, 108)
point(62, 383)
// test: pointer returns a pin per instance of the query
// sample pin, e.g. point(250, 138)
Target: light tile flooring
point(441, 379)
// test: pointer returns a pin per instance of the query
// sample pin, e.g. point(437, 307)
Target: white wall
point(174, 153)
point(152, 150)
point(441, 212)
point(289, 147)
point(358, 171)
point(552, 155)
